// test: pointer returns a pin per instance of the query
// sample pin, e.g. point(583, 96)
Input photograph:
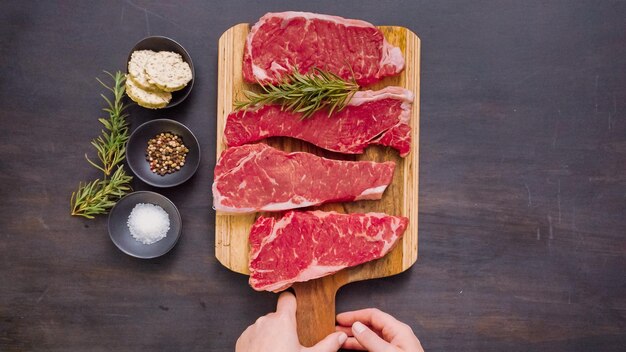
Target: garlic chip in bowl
point(147, 99)
point(168, 71)
point(136, 71)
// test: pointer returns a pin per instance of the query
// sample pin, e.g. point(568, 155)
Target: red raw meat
point(372, 117)
point(307, 245)
point(278, 42)
point(257, 177)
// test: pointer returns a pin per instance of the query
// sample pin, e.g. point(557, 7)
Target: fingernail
point(342, 338)
point(358, 327)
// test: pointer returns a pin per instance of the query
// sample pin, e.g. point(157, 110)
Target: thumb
point(330, 343)
point(368, 339)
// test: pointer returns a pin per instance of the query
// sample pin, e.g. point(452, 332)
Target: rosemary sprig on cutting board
point(304, 93)
point(98, 196)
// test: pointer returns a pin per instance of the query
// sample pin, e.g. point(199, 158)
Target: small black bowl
point(159, 43)
point(120, 234)
point(138, 144)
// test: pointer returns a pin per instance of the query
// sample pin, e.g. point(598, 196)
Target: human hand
point(277, 332)
point(376, 331)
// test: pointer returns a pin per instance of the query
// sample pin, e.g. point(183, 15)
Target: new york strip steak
point(371, 117)
point(279, 42)
point(307, 245)
point(257, 177)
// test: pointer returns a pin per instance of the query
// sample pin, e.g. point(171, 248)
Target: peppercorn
point(166, 153)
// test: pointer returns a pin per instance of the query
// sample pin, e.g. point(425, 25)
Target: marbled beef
point(257, 177)
point(307, 245)
point(371, 117)
point(278, 42)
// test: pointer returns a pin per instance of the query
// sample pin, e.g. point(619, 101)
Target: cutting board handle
point(316, 307)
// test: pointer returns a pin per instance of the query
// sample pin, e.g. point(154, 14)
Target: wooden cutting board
point(316, 298)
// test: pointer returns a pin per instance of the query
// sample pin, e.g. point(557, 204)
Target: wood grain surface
point(317, 299)
point(521, 195)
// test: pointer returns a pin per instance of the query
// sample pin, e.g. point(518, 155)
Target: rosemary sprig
point(111, 145)
point(304, 93)
point(98, 196)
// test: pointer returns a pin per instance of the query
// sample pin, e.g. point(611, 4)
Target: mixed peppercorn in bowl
point(163, 153)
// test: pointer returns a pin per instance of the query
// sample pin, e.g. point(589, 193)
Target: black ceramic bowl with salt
point(120, 232)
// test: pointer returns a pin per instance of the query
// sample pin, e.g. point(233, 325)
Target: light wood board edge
point(230, 58)
point(411, 165)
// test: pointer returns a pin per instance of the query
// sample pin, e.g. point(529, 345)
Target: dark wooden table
point(522, 197)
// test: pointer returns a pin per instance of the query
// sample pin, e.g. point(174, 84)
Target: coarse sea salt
point(148, 223)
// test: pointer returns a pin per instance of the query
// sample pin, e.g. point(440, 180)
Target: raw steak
point(306, 245)
point(281, 41)
point(257, 177)
point(372, 117)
